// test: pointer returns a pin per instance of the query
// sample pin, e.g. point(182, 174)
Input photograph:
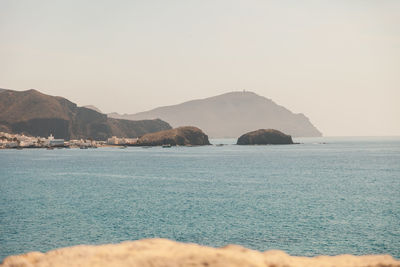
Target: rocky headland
point(182, 136)
point(229, 115)
point(265, 137)
point(34, 113)
point(165, 253)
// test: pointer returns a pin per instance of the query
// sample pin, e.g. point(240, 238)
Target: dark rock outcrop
point(33, 113)
point(230, 115)
point(265, 137)
point(182, 136)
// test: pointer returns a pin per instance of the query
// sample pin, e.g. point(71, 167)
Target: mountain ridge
point(230, 115)
point(93, 108)
point(34, 113)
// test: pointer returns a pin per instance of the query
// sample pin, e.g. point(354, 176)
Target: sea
point(329, 195)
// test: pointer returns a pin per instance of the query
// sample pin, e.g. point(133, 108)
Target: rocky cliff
point(166, 253)
point(230, 115)
point(182, 136)
point(265, 137)
point(37, 114)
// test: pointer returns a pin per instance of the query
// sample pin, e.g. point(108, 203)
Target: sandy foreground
point(163, 252)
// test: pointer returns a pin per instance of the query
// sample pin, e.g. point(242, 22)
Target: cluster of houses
point(121, 141)
point(8, 140)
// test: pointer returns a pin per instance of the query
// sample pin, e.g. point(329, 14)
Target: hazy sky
point(338, 62)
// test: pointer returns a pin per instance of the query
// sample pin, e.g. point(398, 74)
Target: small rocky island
point(265, 137)
point(182, 136)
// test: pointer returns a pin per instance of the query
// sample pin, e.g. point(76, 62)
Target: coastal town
point(21, 141)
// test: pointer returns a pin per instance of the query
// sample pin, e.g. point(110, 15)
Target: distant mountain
point(93, 108)
point(37, 114)
point(231, 115)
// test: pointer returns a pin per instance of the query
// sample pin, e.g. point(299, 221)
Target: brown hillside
point(31, 104)
point(38, 114)
point(181, 136)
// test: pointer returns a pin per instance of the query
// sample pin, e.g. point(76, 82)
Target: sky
point(338, 62)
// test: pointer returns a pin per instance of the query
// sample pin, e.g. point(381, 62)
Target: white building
point(121, 141)
point(113, 140)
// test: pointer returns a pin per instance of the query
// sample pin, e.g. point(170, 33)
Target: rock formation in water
point(265, 137)
point(166, 253)
point(230, 115)
point(182, 136)
point(37, 114)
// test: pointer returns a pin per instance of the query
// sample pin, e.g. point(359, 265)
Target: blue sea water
point(324, 196)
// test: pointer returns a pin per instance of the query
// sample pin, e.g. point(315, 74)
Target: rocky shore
point(162, 252)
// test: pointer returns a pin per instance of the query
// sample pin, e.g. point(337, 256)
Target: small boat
point(166, 146)
point(83, 147)
point(123, 147)
point(219, 145)
point(50, 148)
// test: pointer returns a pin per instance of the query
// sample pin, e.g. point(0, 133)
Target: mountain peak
point(32, 91)
point(93, 108)
point(230, 115)
point(243, 93)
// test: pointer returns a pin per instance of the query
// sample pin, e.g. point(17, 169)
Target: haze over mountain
point(37, 114)
point(230, 115)
point(93, 108)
